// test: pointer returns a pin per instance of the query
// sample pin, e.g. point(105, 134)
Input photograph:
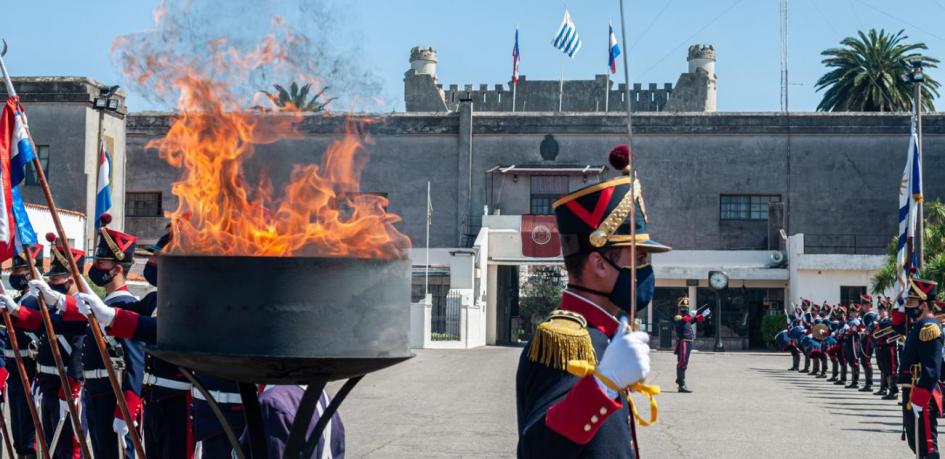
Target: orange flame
point(321, 211)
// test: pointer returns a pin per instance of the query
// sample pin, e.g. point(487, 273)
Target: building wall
point(838, 174)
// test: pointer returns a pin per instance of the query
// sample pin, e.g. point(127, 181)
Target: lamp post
point(107, 101)
point(718, 281)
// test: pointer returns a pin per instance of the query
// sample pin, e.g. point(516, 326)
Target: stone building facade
point(695, 90)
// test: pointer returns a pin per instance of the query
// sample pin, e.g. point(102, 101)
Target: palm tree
point(296, 98)
point(871, 74)
point(934, 240)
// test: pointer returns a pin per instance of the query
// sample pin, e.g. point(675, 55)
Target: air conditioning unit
point(777, 259)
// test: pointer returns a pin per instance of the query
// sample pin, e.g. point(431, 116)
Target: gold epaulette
point(561, 338)
point(678, 317)
point(930, 332)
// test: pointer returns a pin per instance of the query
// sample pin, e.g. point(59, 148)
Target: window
point(143, 204)
point(745, 206)
point(545, 190)
point(42, 152)
point(851, 294)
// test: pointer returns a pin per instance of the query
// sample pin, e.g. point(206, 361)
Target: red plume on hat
point(105, 219)
point(51, 238)
point(620, 158)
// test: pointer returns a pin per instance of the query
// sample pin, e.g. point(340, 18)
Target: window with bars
point(850, 294)
point(745, 206)
point(42, 152)
point(545, 190)
point(143, 204)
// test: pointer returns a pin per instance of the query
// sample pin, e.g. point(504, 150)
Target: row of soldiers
point(174, 417)
point(907, 340)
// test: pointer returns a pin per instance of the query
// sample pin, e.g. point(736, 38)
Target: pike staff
point(77, 277)
point(630, 171)
point(21, 369)
point(60, 366)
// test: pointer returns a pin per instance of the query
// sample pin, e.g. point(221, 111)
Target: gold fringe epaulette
point(561, 338)
point(930, 332)
point(677, 318)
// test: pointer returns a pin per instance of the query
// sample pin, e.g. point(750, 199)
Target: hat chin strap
point(589, 290)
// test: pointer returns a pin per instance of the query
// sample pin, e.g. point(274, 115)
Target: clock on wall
point(718, 280)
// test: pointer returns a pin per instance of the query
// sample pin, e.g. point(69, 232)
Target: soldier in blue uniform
point(684, 335)
point(114, 255)
point(869, 322)
point(807, 321)
point(885, 352)
point(851, 344)
point(559, 414)
point(21, 422)
point(921, 369)
point(57, 295)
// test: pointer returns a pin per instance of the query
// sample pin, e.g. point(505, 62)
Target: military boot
point(893, 392)
point(806, 365)
point(843, 376)
point(868, 380)
point(823, 369)
point(816, 369)
point(795, 362)
point(855, 381)
point(833, 371)
point(681, 381)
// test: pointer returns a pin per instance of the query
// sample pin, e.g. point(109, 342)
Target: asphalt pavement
point(461, 403)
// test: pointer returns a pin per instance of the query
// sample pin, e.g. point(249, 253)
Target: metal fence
point(858, 244)
point(446, 317)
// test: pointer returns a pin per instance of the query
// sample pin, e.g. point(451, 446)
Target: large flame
point(320, 211)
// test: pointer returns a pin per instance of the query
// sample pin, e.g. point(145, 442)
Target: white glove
point(37, 395)
point(7, 302)
point(706, 313)
point(692, 312)
point(845, 327)
point(917, 410)
point(89, 303)
point(119, 427)
point(626, 359)
point(52, 297)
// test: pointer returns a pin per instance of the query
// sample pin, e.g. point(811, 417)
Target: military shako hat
point(59, 264)
point(36, 250)
point(112, 244)
point(923, 290)
point(598, 215)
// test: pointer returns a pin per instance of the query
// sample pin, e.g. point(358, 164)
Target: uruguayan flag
point(910, 195)
point(103, 190)
point(567, 38)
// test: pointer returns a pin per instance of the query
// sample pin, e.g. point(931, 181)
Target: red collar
point(596, 316)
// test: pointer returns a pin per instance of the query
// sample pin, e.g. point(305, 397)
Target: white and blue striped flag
point(567, 38)
point(103, 189)
point(910, 195)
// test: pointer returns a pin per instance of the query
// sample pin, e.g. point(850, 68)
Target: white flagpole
point(607, 92)
point(561, 84)
point(426, 280)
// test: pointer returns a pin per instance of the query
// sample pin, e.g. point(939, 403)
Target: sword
point(58, 432)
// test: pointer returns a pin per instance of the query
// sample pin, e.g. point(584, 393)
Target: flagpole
point(632, 171)
point(80, 282)
point(561, 84)
point(917, 102)
point(426, 280)
point(514, 87)
point(607, 92)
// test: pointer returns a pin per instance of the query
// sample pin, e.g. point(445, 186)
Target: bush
point(770, 326)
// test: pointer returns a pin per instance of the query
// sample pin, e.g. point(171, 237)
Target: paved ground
point(461, 404)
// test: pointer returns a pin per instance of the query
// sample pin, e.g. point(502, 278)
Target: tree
point(540, 294)
point(872, 74)
point(934, 268)
point(296, 98)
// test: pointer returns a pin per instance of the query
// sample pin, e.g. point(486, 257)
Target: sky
point(474, 39)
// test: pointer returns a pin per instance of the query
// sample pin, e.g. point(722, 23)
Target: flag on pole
point(910, 195)
point(103, 190)
point(15, 152)
point(567, 38)
point(614, 51)
point(516, 59)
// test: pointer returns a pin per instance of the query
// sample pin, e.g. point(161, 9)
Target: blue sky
point(474, 39)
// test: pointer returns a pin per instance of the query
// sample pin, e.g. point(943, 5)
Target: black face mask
point(621, 292)
point(100, 277)
point(19, 281)
point(61, 288)
point(914, 313)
